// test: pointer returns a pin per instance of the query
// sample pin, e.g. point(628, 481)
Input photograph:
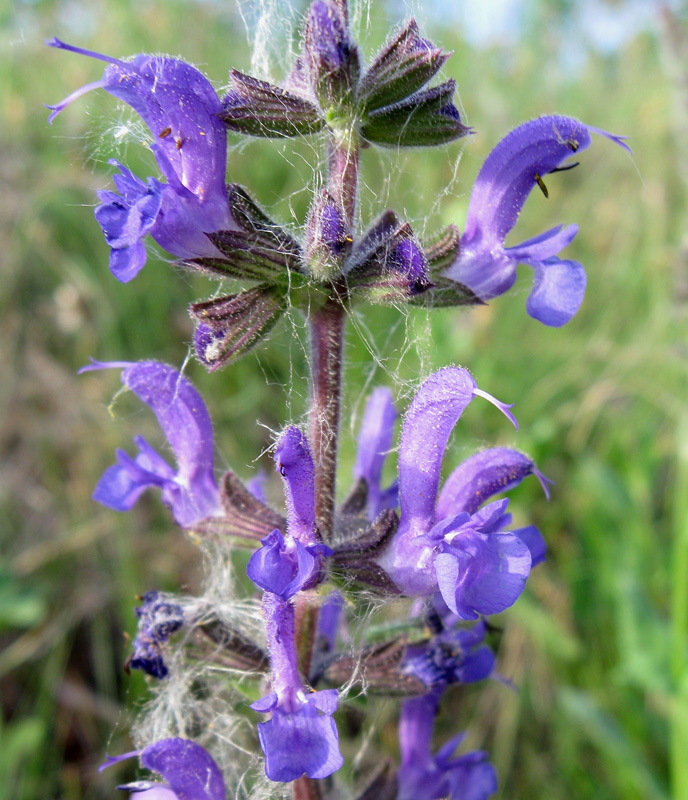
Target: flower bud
point(328, 238)
point(331, 58)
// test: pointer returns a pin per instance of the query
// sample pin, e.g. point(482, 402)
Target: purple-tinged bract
point(191, 491)
point(521, 161)
point(180, 108)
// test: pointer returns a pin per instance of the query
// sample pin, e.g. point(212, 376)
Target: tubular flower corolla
point(451, 545)
point(300, 737)
point(189, 772)
point(517, 164)
point(374, 442)
point(180, 107)
point(191, 491)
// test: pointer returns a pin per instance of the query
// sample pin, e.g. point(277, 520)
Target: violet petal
point(482, 573)
point(295, 464)
point(481, 476)
point(374, 442)
point(557, 292)
point(189, 769)
point(535, 542)
point(299, 742)
point(435, 410)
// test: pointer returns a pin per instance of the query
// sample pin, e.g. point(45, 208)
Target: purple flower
point(518, 163)
point(451, 656)
point(190, 492)
point(285, 566)
point(451, 545)
point(159, 618)
point(294, 463)
point(190, 772)
point(300, 736)
point(374, 442)
point(180, 108)
point(423, 776)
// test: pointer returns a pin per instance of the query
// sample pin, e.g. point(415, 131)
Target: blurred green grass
point(598, 644)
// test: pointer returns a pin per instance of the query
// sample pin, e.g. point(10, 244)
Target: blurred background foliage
point(599, 643)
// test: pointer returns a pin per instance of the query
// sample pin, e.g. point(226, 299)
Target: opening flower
point(423, 776)
point(189, 772)
point(454, 655)
point(300, 737)
point(521, 161)
point(191, 491)
point(451, 544)
point(180, 108)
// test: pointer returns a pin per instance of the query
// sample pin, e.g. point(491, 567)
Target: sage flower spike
point(190, 492)
point(521, 161)
point(189, 772)
point(453, 546)
point(180, 108)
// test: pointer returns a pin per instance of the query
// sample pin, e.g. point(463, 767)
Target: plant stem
point(327, 338)
point(327, 345)
point(342, 181)
point(306, 789)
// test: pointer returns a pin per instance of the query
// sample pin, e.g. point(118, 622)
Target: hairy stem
point(306, 624)
point(327, 344)
point(327, 338)
point(306, 789)
point(343, 173)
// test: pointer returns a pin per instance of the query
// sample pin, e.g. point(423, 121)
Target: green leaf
point(403, 66)
point(258, 108)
